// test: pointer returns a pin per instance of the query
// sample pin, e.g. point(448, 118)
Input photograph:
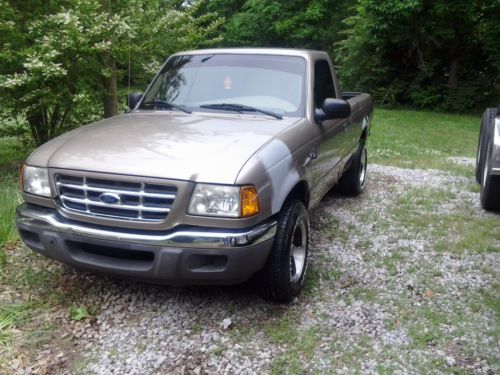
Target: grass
point(300, 351)
point(78, 313)
point(322, 272)
point(391, 262)
point(418, 211)
point(419, 139)
point(349, 355)
point(23, 319)
point(11, 315)
point(11, 157)
point(9, 200)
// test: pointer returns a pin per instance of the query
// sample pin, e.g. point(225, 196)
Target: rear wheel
point(353, 180)
point(283, 275)
point(490, 185)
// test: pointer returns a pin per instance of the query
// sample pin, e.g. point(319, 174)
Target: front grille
point(138, 201)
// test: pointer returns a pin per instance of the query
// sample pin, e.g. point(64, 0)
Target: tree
point(433, 54)
point(314, 24)
point(58, 56)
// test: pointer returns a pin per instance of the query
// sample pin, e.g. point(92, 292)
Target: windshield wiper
point(163, 104)
point(240, 108)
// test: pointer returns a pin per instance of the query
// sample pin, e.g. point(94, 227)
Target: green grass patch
point(420, 139)
point(300, 351)
point(426, 330)
point(360, 293)
point(490, 298)
point(391, 262)
point(476, 235)
point(14, 316)
point(421, 211)
point(351, 354)
point(78, 313)
point(300, 343)
point(9, 200)
point(324, 271)
point(282, 330)
point(12, 157)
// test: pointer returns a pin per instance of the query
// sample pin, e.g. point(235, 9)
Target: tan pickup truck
point(208, 178)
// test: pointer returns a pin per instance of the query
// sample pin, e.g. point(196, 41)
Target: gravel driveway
point(392, 288)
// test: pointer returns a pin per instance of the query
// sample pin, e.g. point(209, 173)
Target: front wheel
point(283, 275)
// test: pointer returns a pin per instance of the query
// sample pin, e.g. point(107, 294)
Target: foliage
point(78, 312)
point(59, 58)
point(311, 24)
point(441, 55)
point(63, 63)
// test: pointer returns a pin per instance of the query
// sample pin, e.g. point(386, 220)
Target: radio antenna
point(129, 59)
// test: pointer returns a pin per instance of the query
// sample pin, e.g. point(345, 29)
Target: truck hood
point(196, 147)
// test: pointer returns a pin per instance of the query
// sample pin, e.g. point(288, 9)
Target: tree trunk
point(110, 87)
point(38, 128)
point(453, 75)
point(454, 55)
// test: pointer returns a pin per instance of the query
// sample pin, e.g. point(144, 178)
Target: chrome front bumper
point(181, 256)
point(48, 219)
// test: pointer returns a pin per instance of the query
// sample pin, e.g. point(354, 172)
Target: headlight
point(224, 201)
point(35, 181)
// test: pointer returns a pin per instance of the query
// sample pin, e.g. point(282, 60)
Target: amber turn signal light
point(249, 201)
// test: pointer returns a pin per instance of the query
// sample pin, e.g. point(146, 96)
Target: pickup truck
point(209, 176)
point(488, 159)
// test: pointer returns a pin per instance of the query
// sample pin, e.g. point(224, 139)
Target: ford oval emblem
point(110, 198)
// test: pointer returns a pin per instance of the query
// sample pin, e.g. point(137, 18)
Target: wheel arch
point(301, 192)
point(365, 129)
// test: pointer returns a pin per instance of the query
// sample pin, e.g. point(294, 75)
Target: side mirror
point(133, 99)
point(334, 109)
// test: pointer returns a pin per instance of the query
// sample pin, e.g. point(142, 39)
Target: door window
point(323, 83)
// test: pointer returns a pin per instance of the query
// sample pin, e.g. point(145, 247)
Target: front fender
point(275, 171)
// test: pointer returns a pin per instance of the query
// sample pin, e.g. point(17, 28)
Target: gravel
point(468, 162)
point(368, 274)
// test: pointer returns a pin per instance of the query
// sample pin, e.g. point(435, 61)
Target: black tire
point(490, 185)
point(281, 280)
point(482, 143)
point(353, 180)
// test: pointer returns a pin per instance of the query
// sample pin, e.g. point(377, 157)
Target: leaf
point(78, 312)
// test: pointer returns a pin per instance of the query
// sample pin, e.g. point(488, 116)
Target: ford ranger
point(209, 176)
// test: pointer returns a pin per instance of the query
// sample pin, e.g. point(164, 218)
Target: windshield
point(197, 82)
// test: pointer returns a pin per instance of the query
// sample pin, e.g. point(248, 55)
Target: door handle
point(311, 155)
